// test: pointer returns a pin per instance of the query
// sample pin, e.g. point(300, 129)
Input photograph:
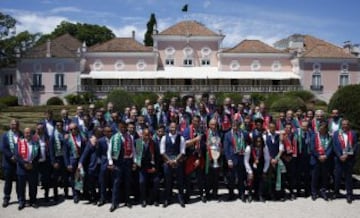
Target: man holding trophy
point(213, 152)
point(172, 149)
point(345, 148)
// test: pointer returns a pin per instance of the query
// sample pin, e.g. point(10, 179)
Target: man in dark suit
point(74, 146)
point(147, 160)
point(9, 141)
point(104, 176)
point(345, 149)
point(27, 153)
point(235, 142)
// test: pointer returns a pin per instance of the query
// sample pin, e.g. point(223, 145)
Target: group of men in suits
point(105, 155)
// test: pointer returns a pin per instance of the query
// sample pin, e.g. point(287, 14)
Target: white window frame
point(141, 64)
point(205, 62)
point(38, 81)
point(188, 52)
point(344, 73)
point(206, 51)
point(59, 80)
point(186, 62)
point(169, 51)
point(119, 65)
point(8, 80)
point(234, 65)
point(98, 65)
point(316, 82)
point(276, 66)
point(170, 61)
point(255, 65)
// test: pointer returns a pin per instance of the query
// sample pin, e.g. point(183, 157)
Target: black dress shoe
point(143, 203)
point(250, 198)
point(76, 200)
point(324, 196)
point(203, 199)
point(166, 203)
point(129, 205)
point(335, 195)
point(313, 197)
point(156, 203)
point(261, 199)
point(5, 204)
point(349, 199)
point(292, 196)
point(101, 203)
point(243, 198)
point(21, 206)
point(230, 197)
point(113, 208)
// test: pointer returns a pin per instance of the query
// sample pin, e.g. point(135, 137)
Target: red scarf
point(279, 125)
point(77, 147)
point(226, 123)
point(342, 140)
point(128, 147)
point(255, 155)
point(183, 124)
point(266, 122)
point(197, 145)
point(290, 146)
point(318, 146)
point(23, 149)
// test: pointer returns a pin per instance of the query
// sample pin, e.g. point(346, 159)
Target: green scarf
point(139, 151)
point(11, 141)
point(58, 149)
point(116, 142)
point(279, 170)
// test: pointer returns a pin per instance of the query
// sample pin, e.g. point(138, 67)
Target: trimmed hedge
point(9, 100)
point(306, 96)
point(54, 101)
point(287, 103)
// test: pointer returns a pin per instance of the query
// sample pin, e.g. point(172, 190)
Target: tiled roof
point(189, 28)
point(252, 46)
point(317, 48)
point(120, 45)
point(64, 46)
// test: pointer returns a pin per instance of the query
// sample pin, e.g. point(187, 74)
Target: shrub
point(287, 103)
point(2, 106)
point(256, 98)
point(139, 98)
point(120, 99)
point(9, 100)
point(346, 101)
point(55, 101)
point(99, 103)
point(73, 99)
point(306, 96)
point(235, 97)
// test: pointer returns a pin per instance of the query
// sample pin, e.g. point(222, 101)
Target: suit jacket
point(89, 159)
point(338, 149)
point(69, 158)
point(229, 146)
point(7, 152)
point(102, 153)
point(314, 159)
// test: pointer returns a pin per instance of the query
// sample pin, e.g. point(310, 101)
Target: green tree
point(7, 23)
point(90, 33)
point(148, 40)
point(16, 45)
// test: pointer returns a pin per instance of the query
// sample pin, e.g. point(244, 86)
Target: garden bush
point(9, 100)
point(54, 101)
point(306, 96)
point(287, 103)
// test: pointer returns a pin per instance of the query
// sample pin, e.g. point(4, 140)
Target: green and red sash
point(57, 147)
point(342, 140)
point(290, 145)
point(23, 150)
point(238, 143)
point(321, 144)
point(139, 149)
point(75, 148)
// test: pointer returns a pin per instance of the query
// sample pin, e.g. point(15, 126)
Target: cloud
point(126, 31)
point(35, 22)
point(65, 10)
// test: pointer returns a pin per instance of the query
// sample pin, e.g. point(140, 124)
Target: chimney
point(48, 45)
point(133, 34)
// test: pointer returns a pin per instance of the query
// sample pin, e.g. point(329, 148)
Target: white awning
point(191, 73)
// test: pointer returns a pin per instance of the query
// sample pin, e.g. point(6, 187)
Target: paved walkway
point(302, 207)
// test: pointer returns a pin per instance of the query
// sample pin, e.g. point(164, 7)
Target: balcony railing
point(37, 88)
point(60, 88)
point(317, 88)
point(192, 88)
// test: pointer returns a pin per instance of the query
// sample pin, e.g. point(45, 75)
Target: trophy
point(215, 150)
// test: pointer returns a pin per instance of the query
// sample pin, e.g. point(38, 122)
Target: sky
point(267, 20)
